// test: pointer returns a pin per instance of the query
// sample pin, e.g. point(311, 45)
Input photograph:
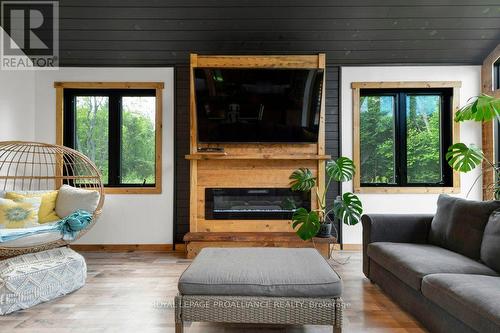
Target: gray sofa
point(443, 269)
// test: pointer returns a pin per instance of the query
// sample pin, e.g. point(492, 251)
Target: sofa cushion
point(474, 299)
point(490, 247)
point(411, 262)
point(459, 224)
point(260, 272)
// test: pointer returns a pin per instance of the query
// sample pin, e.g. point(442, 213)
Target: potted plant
point(464, 158)
point(347, 208)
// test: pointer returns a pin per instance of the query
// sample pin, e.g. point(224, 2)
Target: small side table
point(325, 245)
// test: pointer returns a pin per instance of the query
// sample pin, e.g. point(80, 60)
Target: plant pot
point(325, 230)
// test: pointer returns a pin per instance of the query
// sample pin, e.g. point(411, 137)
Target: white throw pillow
point(71, 199)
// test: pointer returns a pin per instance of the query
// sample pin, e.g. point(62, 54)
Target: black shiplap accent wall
point(181, 206)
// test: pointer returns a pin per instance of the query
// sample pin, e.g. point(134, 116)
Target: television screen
point(258, 105)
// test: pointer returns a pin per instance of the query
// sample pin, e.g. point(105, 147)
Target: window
point(402, 137)
point(119, 129)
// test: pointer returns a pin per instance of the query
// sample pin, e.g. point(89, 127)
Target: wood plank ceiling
point(156, 32)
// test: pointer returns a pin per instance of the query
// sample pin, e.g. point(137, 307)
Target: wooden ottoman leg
point(179, 324)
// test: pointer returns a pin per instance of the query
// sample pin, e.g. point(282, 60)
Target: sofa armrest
point(393, 228)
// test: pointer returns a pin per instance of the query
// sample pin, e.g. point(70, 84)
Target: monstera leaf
point(302, 180)
point(463, 158)
point(349, 209)
point(341, 170)
point(306, 224)
point(484, 108)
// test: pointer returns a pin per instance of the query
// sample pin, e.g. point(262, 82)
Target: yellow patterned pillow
point(22, 213)
point(47, 212)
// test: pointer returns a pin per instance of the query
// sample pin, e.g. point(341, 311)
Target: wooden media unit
point(256, 166)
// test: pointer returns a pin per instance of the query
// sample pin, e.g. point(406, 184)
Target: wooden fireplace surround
point(249, 165)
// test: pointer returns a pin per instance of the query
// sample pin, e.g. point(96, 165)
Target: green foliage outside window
point(138, 140)
point(92, 132)
point(137, 137)
point(378, 137)
point(423, 157)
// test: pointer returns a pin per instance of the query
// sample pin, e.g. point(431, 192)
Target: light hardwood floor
point(133, 292)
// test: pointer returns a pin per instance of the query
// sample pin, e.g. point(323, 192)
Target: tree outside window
point(402, 137)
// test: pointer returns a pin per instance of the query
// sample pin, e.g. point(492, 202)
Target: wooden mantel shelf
point(256, 156)
point(249, 237)
point(241, 236)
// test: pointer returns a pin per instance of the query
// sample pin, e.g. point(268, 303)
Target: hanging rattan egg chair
point(34, 166)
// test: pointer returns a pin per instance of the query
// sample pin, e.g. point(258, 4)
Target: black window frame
point(114, 127)
point(400, 135)
point(496, 75)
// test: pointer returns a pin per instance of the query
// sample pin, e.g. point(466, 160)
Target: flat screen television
point(258, 105)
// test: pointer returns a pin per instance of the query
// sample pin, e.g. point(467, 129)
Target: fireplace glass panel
point(253, 203)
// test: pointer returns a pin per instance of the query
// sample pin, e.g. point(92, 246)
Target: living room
point(250, 166)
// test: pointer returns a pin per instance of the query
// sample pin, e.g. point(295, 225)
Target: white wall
point(17, 104)
point(470, 132)
point(126, 219)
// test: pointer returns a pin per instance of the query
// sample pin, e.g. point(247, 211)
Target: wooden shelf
point(196, 241)
point(240, 236)
point(265, 156)
point(250, 237)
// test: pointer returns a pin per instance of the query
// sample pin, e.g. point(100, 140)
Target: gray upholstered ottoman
point(30, 279)
point(260, 285)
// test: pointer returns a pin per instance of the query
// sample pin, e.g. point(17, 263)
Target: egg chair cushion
point(34, 240)
point(71, 199)
point(47, 211)
point(8, 235)
point(21, 213)
point(68, 228)
point(30, 279)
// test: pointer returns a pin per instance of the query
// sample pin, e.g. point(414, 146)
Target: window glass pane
point(423, 141)
point(377, 139)
point(91, 127)
point(138, 140)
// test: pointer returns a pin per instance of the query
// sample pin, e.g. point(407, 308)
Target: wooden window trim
point(489, 144)
point(157, 86)
point(356, 88)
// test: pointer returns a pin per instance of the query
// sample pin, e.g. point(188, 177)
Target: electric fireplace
point(253, 203)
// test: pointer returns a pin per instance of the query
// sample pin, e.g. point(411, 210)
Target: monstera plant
point(347, 208)
point(464, 158)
